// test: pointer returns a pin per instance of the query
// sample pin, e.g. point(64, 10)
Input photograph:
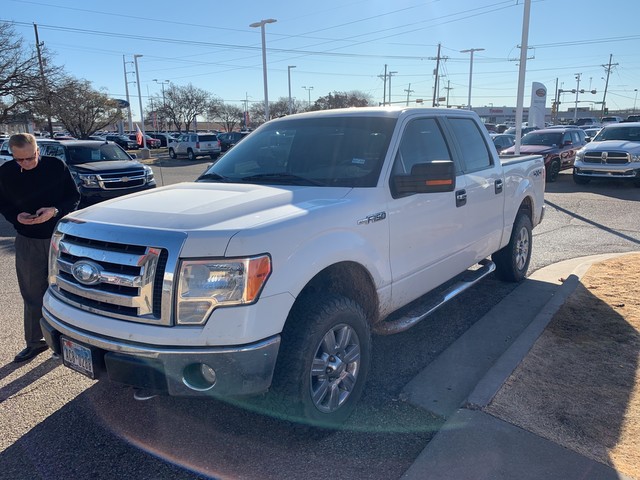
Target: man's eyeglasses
point(26, 159)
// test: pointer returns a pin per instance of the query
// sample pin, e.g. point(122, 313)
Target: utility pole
point(447, 88)
point(435, 87)
point(45, 88)
point(384, 86)
point(606, 84)
point(409, 92)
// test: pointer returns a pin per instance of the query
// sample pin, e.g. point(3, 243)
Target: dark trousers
point(32, 267)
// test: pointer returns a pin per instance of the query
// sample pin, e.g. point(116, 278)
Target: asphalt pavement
point(464, 379)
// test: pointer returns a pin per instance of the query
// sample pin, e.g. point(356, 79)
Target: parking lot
point(58, 424)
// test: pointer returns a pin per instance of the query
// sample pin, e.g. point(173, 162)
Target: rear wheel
point(191, 155)
point(323, 365)
point(553, 170)
point(512, 261)
point(172, 153)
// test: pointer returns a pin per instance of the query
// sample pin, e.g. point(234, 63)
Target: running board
point(389, 327)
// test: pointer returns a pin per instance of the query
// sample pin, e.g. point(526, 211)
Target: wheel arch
point(349, 279)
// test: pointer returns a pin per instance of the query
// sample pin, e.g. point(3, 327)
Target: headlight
point(206, 284)
point(86, 180)
point(148, 173)
point(580, 155)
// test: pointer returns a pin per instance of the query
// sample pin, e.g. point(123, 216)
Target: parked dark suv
point(229, 139)
point(122, 140)
point(102, 170)
point(558, 146)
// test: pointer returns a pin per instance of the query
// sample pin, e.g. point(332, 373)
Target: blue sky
point(343, 45)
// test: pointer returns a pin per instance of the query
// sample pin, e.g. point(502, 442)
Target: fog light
point(199, 376)
point(208, 373)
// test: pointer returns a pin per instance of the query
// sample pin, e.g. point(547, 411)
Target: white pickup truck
point(273, 269)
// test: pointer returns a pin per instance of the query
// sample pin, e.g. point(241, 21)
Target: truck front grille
point(122, 180)
point(114, 279)
point(607, 158)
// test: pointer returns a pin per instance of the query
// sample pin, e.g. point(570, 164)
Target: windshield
point(95, 153)
point(346, 152)
point(631, 134)
point(549, 139)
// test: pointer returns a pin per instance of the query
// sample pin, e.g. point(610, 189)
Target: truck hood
point(222, 207)
point(608, 145)
point(107, 165)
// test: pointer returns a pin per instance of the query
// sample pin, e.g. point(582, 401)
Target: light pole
point(390, 74)
point(261, 24)
point(308, 89)
point(145, 150)
point(575, 109)
point(635, 100)
point(471, 50)
point(164, 102)
point(289, 79)
point(126, 89)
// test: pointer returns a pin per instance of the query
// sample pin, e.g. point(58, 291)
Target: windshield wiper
point(213, 176)
point(283, 178)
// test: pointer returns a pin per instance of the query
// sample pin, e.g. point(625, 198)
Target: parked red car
point(151, 142)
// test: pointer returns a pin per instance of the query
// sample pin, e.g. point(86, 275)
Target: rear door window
point(475, 153)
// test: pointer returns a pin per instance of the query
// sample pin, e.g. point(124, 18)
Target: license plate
point(78, 357)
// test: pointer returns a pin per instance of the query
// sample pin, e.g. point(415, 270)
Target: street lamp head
point(137, 56)
point(263, 22)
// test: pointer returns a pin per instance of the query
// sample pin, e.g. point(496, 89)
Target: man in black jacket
point(35, 192)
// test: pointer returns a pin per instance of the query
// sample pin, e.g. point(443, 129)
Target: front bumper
point(241, 370)
point(587, 170)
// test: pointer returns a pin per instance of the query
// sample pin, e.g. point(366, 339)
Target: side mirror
point(133, 156)
point(432, 177)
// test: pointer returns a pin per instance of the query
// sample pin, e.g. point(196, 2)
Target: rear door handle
point(499, 184)
point(461, 198)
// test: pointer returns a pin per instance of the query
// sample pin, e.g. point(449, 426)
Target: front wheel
point(553, 170)
point(172, 153)
point(323, 365)
point(512, 261)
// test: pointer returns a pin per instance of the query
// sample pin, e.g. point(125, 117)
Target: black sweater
point(49, 184)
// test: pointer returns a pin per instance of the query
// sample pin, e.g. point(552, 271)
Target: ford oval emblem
point(86, 272)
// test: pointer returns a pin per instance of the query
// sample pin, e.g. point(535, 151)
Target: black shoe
point(30, 352)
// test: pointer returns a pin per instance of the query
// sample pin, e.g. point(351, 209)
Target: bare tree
point(20, 79)
point(280, 108)
point(184, 103)
point(342, 100)
point(227, 115)
point(82, 109)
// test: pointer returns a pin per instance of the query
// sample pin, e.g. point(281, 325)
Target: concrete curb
point(558, 273)
point(474, 444)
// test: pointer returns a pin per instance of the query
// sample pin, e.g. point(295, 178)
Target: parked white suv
point(193, 145)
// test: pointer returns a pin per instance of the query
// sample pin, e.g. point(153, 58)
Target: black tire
point(512, 261)
point(191, 155)
point(324, 360)
point(580, 180)
point(214, 156)
point(172, 153)
point(553, 170)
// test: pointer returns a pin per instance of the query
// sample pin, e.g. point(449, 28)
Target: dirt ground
point(579, 386)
